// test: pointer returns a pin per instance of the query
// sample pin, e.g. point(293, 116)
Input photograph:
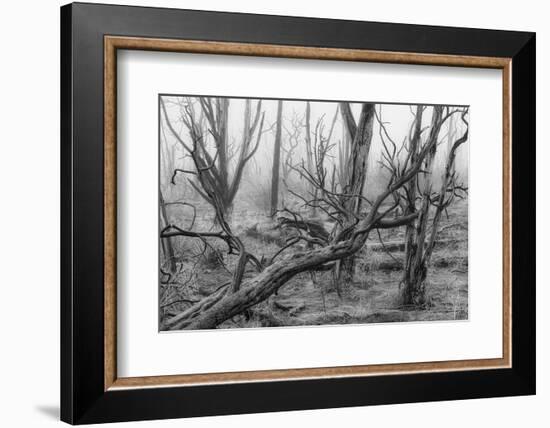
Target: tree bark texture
point(418, 245)
point(361, 138)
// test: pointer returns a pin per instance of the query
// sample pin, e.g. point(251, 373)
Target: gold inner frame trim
point(113, 43)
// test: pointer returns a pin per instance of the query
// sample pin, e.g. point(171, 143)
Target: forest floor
point(311, 298)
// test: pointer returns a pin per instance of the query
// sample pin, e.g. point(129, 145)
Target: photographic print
point(283, 212)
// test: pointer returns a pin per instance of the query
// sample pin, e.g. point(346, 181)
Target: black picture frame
point(83, 398)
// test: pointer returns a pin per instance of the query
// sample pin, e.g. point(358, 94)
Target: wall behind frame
point(29, 173)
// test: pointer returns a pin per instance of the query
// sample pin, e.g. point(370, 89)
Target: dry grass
point(310, 299)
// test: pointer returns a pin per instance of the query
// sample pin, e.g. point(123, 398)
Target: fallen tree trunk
point(221, 306)
point(266, 283)
point(390, 265)
point(400, 245)
point(265, 236)
point(180, 320)
point(442, 262)
point(314, 229)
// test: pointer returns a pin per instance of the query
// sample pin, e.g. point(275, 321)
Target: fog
point(397, 119)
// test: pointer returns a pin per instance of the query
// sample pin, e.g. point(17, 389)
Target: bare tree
point(344, 149)
point(417, 197)
point(276, 160)
point(214, 167)
point(420, 237)
point(289, 146)
point(360, 136)
point(234, 245)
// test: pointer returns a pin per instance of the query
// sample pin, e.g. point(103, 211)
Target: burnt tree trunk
point(413, 284)
point(406, 292)
point(418, 260)
point(361, 137)
point(276, 161)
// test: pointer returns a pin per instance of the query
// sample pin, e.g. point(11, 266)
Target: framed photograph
point(266, 213)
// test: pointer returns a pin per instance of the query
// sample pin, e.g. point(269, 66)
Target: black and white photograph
point(266, 214)
point(285, 212)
